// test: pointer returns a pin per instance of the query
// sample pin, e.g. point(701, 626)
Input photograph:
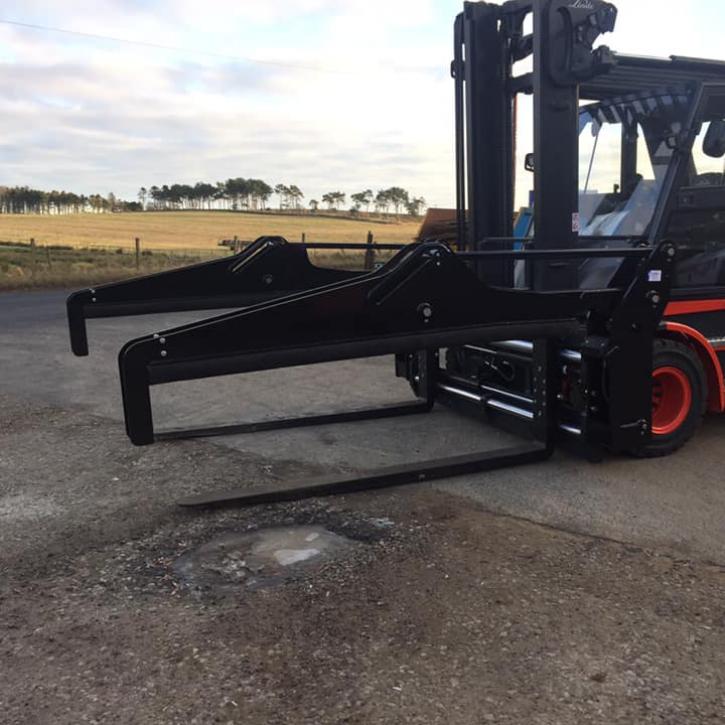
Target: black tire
point(671, 354)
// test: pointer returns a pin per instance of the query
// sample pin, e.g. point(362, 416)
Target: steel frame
point(413, 304)
point(270, 267)
point(420, 300)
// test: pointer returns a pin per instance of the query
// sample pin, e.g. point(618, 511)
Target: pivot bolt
point(268, 279)
point(426, 310)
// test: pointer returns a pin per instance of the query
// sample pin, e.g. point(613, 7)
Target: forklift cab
point(652, 167)
point(625, 150)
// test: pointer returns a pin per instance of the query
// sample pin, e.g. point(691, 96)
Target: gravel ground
point(439, 612)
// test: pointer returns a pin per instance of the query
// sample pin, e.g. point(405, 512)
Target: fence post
point(304, 237)
point(237, 246)
point(33, 261)
point(47, 257)
point(138, 253)
point(370, 253)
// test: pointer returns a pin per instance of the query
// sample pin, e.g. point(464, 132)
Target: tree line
point(255, 195)
point(233, 194)
point(24, 200)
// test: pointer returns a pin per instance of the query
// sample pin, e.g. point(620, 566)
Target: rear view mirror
point(714, 143)
point(529, 162)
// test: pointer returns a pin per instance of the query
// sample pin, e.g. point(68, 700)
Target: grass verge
point(25, 267)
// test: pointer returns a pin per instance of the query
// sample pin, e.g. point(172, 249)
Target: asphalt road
point(675, 504)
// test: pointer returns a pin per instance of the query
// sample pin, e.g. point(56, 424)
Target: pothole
point(259, 558)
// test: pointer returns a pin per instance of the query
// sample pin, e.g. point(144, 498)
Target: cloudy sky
point(325, 94)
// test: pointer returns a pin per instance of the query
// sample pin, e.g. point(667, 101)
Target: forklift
point(599, 327)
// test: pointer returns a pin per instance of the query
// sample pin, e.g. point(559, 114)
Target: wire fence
point(33, 264)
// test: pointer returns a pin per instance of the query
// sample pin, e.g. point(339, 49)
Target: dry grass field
point(192, 230)
point(90, 249)
point(21, 267)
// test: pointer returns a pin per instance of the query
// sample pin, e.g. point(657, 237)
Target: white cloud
point(94, 116)
point(90, 115)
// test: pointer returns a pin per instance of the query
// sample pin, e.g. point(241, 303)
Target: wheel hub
point(671, 400)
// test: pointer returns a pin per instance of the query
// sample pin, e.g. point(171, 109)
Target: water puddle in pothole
point(261, 558)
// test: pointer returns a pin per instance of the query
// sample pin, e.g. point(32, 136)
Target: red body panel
point(708, 352)
point(693, 307)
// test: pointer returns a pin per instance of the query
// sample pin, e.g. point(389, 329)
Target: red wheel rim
point(671, 400)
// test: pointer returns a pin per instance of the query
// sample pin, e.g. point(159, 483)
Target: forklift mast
point(489, 40)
